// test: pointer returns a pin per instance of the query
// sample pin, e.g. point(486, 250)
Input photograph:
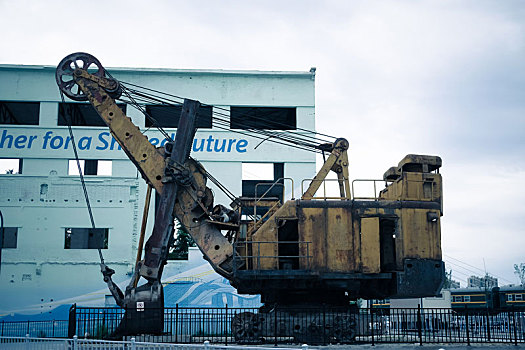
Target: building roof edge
point(308, 74)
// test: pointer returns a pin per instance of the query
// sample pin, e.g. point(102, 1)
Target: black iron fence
point(449, 326)
point(316, 325)
point(308, 325)
point(40, 329)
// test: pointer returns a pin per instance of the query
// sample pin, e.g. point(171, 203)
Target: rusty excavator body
point(303, 252)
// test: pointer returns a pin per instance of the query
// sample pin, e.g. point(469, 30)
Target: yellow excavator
point(308, 252)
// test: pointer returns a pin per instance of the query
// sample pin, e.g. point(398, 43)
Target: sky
point(393, 77)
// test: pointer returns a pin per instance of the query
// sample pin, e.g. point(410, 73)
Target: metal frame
point(258, 258)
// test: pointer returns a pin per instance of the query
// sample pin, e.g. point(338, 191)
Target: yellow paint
point(370, 245)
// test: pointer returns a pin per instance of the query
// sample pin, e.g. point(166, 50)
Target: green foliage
point(519, 270)
point(448, 280)
point(183, 241)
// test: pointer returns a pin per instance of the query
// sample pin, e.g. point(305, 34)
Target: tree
point(448, 280)
point(520, 272)
point(183, 241)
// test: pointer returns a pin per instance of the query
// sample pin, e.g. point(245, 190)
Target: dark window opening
point(8, 236)
point(11, 165)
point(19, 113)
point(387, 244)
point(86, 238)
point(168, 116)
point(288, 247)
point(272, 118)
point(258, 188)
point(91, 167)
point(81, 114)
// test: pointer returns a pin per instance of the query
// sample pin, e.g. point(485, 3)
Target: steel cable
point(80, 172)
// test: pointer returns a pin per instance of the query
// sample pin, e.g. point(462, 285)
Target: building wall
point(44, 200)
point(441, 302)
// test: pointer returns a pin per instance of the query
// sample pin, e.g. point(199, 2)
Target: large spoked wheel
point(312, 334)
point(345, 329)
point(246, 327)
point(66, 69)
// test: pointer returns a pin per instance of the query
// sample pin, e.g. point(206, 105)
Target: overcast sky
point(393, 77)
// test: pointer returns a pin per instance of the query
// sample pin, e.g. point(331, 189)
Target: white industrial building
point(46, 258)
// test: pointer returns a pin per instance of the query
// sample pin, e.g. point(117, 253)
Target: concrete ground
point(417, 346)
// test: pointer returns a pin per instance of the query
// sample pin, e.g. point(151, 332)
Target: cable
point(227, 110)
point(222, 119)
point(289, 136)
point(86, 196)
point(288, 139)
point(477, 268)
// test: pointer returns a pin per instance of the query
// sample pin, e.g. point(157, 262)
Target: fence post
point(275, 324)
point(72, 321)
point(207, 345)
point(132, 343)
point(304, 347)
point(27, 338)
point(467, 325)
point(75, 342)
point(324, 324)
point(226, 326)
point(177, 323)
point(510, 330)
point(488, 326)
point(515, 326)
point(27, 330)
point(419, 325)
point(372, 325)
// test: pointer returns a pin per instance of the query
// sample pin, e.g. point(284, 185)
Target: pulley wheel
point(66, 68)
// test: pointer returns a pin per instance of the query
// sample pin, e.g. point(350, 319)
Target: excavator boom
point(178, 179)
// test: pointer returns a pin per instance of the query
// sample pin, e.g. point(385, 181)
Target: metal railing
point(41, 329)
point(398, 194)
point(272, 185)
point(375, 197)
point(448, 326)
point(314, 325)
point(324, 181)
point(29, 343)
point(252, 261)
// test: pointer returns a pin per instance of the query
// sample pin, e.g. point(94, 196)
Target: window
point(466, 298)
point(9, 237)
point(262, 176)
point(81, 114)
point(91, 167)
point(168, 116)
point(510, 297)
point(257, 171)
point(19, 113)
point(86, 238)
point(519, 297)
point(273, 118)
point(11, 165)
point(257, 180)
